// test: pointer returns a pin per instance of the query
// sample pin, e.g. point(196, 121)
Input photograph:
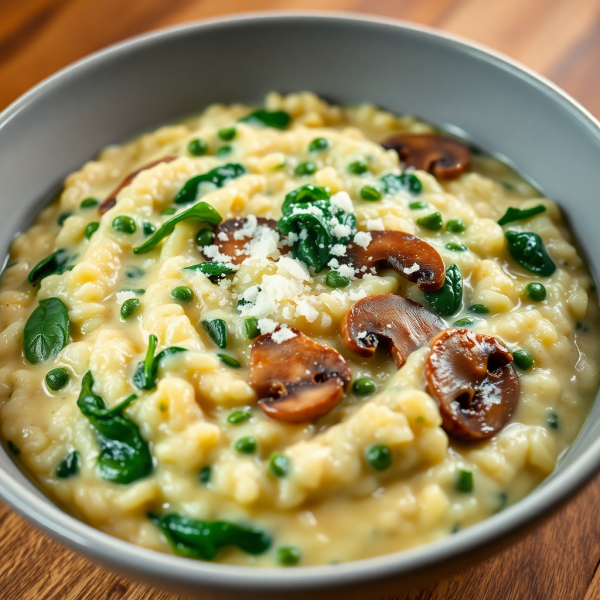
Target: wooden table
point(559, 38)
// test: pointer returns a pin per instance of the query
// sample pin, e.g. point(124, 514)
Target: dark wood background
point(558, 38)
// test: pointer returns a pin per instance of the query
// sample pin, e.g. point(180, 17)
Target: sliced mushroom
point(471, 377)
point(401, 324)
point(443, 156)
point(410, 256)
point(299, 380)
point(234, 246)
point(111, 199)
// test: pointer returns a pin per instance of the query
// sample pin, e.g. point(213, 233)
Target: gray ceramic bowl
point(142, 83)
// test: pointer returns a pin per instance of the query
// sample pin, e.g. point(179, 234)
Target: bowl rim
point(122, 555)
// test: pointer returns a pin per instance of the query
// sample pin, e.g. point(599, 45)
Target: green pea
point(418, 205)
point(217, 329)
point(466, 322)
point(170, 210)
point(279, 465)
point(364, 386)
point(535, 291)
point(335, 280)
point(57, 378)
point(456, 225)
point(288, 556)
point(63, 217)
point(319, 144)
point(553, 420)
point(523, 359)
point(197, 147)
point(205, 237)
point(227, 133)
point(252, 329)
point(124, 224)
point(204, 475)
point(464, 481)
point(230, 361)
point(182, 293)
point(13, 448)
point(305, 168)
point(358, 167)
point(480, 309)
point(223, 150)
point(432, 222)
point(129, 308)
point(456, 247)
point(148, 228)
point(89, 202)
point(371, 193)
point(379, 457)
point(246, 445)
point(237, 417)
point(90, 229)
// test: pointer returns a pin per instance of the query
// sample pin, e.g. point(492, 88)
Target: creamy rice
point(326, 503)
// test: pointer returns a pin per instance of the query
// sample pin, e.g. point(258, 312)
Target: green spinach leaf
point(308, 213)
point(124, 454)
point(270, 118)
point(527, 249)
point(55, 264)
point(212, 269)
point(516, 214)
point(46, 332)
point(203, 539)
point(407, 181)
point(219, 176)
point(447, 300)
point(144, 377)
point(200, 212)
point(69, 466)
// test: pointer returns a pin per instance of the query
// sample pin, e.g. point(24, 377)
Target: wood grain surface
point(558, 38)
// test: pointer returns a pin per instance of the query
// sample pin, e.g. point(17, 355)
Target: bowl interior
point(158, 78)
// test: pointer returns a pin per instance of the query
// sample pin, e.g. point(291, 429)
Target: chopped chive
point(246, 445)
point(305, 168)
point(553, 420)
point(223, 150)
point(205, 237)
point(63, 217)
point(454, 247)
point(456, 226)
point(237, 417)
point(217, 330)
point(197, 147)
point(358, 167)
point(288, 556)
point(466, 322)
point(370, 193)
point(252, 329)
point(90, 229)
point(230, 361)
point(464, 481)
point(204, 475)
point(89, 202)
point(335, 280)
point(170, 210)
point(432, 222)
point(182, 293)
point(319, 144)
point(227, 133)
point(480, 309)
point(279, 465)
point(418, 205)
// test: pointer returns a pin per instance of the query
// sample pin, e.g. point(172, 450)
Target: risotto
point(297, 335)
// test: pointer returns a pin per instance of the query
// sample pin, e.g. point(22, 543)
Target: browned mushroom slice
point(111, 199)
point(299, 380)
point(401, 324)
point(471, 378)
point(410, 256)
point(442, 156)
point(227, 242)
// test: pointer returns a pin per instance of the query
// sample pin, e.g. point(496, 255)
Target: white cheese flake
point(412, 269)
point(123, 296)
point(342, 201)
point(338, 250)
point(375, 225)
point(283, 334)
point(363, 239)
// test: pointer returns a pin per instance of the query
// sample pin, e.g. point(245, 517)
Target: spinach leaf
point(270, 118)
point(124, 454)
point(219, 176)
point(447, 300)
point(144, 377)
point(516, 214)
point(212, 269)
point(69, 466)
point(46, 332)
point(200, 212)
point(407, 181)
point(203, 539)
point(308, 213)
point(55, 264)
point(527, 249)
point(217, 329)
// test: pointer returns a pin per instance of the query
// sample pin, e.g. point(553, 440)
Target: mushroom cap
point(443, 156)
point(402, 252)
point(298, 380)
point(111, 199)
point(401, 324)
point(234, 248)
point(471, 378)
